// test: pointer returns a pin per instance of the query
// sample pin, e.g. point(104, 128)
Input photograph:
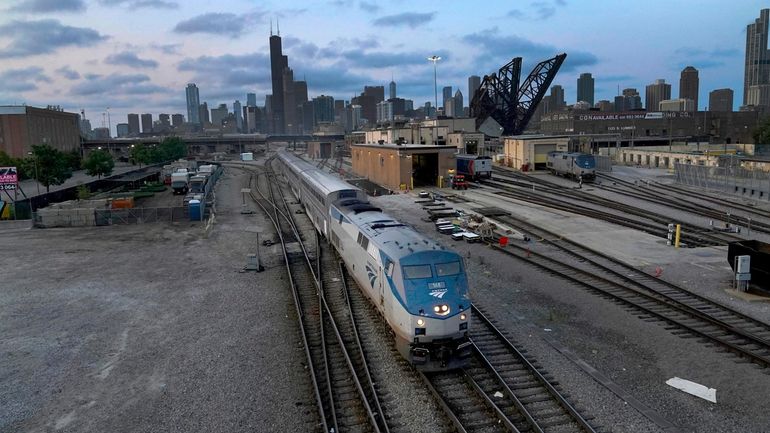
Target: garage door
point(541, 152)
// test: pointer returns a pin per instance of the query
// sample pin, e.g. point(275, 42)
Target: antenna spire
point(278, 26)
point(271, 27)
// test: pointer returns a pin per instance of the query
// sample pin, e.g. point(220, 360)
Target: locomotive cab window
point(417, 271)
point(447, 269)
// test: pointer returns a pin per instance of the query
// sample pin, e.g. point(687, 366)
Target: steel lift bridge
point(503, 106)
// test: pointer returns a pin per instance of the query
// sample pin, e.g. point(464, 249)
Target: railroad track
point(343, 402)
point(653, 298)
point(503, 390)
point(679, 198)
point(692, 236)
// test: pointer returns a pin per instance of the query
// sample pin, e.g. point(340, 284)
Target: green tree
point(140, 154)
point(99, 163)
point(83, 192)
point(74, 161)
point(50, 166)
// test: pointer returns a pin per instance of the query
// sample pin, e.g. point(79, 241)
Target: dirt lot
point(148, 328)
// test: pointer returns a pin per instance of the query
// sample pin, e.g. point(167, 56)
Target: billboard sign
point(8, 178)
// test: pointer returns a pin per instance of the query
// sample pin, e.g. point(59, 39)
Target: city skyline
point(108, 53)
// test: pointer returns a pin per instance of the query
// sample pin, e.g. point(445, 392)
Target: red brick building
point(21, 127)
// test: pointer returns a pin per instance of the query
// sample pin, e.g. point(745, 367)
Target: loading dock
point(403, 166)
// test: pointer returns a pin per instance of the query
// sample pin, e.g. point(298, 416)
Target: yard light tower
point(435, 60)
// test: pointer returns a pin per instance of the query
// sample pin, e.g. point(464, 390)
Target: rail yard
point(575, 325)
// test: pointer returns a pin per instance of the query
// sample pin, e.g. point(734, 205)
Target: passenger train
point(419, 287)
point(572, 164)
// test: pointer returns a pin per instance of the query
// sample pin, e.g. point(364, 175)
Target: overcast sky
point(138, 55)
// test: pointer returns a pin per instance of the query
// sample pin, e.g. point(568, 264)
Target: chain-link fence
point(140, 215)
point(102, 217)
point(731, 179)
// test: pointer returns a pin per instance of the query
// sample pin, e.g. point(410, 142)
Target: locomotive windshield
point(446, 269)
point(585, 161)
point(417, 271)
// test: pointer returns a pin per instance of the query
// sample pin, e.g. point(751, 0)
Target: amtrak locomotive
point(575, 165)
point(419, 287)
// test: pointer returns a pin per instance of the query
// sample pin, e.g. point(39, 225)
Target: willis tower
point(277, 64)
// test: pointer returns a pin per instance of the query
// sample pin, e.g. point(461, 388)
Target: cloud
point(68, 73)
point(167, 48)
point(496, 49)
point(543, 10)
point(702, 58)
point(127, 58)
point(23, 80)
point(229, 76)
point(45, 6)
point(540, 10)
point(30, 38)
point(137, 4)
point(408, 19)
point(115, 84)
point(225, 24)
point(369, 6)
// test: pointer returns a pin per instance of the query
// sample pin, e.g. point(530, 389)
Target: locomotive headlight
point(442, 309)
point(420, 322)
point(463, 316)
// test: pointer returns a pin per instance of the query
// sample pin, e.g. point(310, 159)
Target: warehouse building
point(22, 127)
point(403, 166)
point(640, 128)
point(530, 152)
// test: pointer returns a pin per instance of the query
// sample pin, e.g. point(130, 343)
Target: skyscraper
point(458, 104)
point(585, 88)
point(656, 92)
point(277, 63)
point(218, 115)
point(556, 99)
point(757, 65)
point(392, 88)
point(289, 104)
point(688, 85)
point(377, 92)
point(251, 99)
point(177, 120)
point(721, 100)
point(630, 100)
point(133, 124)
point(474, 81)
point(238, 112)
point(323, 109)
point(203, 113)
point(146, 123)
point(446, 94)
point(193, 102)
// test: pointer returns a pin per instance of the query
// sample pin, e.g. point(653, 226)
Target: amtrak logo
point(438, 293)
point(372, 276)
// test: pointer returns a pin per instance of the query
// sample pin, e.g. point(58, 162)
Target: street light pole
point(109, 131)
point(435, 60)
point(37, 179)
